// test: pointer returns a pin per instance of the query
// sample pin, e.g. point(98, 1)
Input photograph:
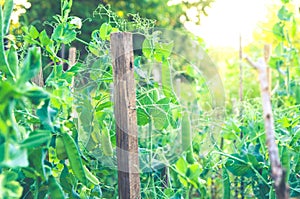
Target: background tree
point(167, 13)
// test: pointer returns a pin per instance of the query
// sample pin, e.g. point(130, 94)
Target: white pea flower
point(76, 21)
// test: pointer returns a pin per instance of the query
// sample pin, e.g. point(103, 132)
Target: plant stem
point(82, 41)
point(150, 142)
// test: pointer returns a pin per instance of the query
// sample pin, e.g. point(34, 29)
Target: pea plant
point(58, 134)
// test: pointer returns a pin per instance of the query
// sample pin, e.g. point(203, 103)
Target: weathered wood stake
point(39, 78)
point(125, 114)
point(278, 173)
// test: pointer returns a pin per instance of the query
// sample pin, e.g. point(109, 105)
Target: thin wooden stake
point(241, 108)
point(125, 114)
point(241, 77)
point(72, 62)
point(72, 57)
point(39, 79)
point(267, 55)
point(278, 173)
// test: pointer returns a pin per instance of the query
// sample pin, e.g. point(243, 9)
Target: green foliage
point(59, 140)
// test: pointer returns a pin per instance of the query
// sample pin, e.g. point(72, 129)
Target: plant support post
point(125, 115)
point(278, 173)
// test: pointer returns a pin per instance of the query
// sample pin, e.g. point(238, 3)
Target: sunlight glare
point(227, 19)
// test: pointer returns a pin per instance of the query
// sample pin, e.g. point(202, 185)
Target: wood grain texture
point(125, 115)
point(39, 79)
point(277, 172)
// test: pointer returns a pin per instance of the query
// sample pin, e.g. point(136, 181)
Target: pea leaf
point(142, 117)
point(162, 51)
point(278, 30)
point(64, 35)
point(294, 28)
point(36, 95)
point(55, 190)
point(33, 32)
point(194, 171)
point(181, 166)
point(276, 62)
point(147, 48)
point(31, 65)
point(36, 139)
point(238, 168)
point(17, 157)
point(44, 39)
point(283, 14)
point(285, 1)
point(46, 115)
point(160, 114)
point(105, 31)
point(285, 159)
point(9, 182)
point(36, 161)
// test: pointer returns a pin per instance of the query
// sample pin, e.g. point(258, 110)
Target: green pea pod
point(74, 157)
point(186, 137)
point(106, 143)
point(36, 139)
point(55, 190)
point(166, 78)
point(3, 61)
point(12, 58)
point(61, 152)
point(93, 179)
point(8, 8)
point(226, 184)
point(186, 132)
point(166, 81)
point(96, 132)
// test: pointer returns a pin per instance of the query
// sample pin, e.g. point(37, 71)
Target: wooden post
point(125, 114)
point(278, 173)
point(72, 57)
point(241, 108)
point(267, 54)
point(72, 62)
point(39, 79)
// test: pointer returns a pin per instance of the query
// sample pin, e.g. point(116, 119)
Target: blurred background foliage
point(171, 14)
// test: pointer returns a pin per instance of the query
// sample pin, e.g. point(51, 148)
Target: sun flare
point(228, 19)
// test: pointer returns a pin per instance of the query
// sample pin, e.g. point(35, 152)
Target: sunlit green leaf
point(105, 31)
point(181, 166)
point(194, 170)
point(278, 30)
point(142, 117)
point(276, 62)
point(147, 48)
point(183, 181)
point(284, 14)
point(285, 1)
point(33, 32)
point(44, 39)
point(162, 51)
